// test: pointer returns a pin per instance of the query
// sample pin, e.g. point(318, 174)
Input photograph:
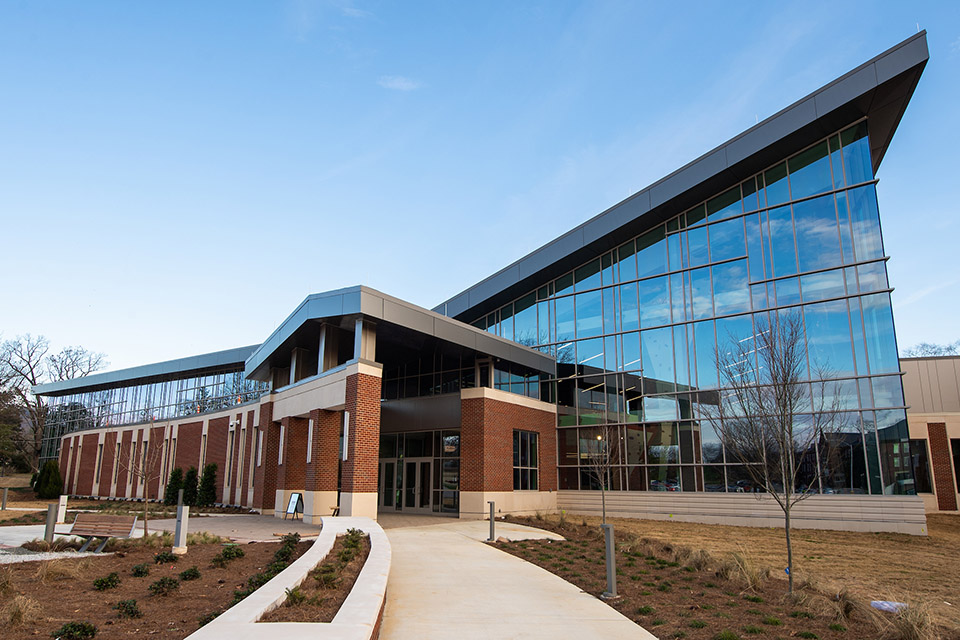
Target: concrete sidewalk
point(445, 583)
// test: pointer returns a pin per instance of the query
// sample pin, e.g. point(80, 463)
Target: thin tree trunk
point(145, 507)
point(786, 513)
point(603, 502)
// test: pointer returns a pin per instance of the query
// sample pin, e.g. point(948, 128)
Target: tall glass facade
point(635, 332)
point(172, 397)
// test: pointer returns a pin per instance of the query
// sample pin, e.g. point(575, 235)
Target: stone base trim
point(473, 504)
point(363, 505)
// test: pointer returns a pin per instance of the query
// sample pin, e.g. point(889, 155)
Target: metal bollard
point(5, 489)
point(51, 522)
point(611, 591)
point(493, 519)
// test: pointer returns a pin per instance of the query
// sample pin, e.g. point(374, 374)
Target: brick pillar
point(359, 476)
point(941, 463)
point(291, 474)
point(265, 475)
point(321, 496)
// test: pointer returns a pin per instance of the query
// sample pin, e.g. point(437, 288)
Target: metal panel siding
point(901, 58)
point(836, 95)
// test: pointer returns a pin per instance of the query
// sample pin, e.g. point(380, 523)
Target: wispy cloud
point(922, 293)
point(353, 12)
point(955, 46)
point(399, 83)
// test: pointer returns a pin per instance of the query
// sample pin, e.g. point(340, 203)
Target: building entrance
point(420, 472)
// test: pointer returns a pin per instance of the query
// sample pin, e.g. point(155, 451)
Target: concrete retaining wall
point(359, 616)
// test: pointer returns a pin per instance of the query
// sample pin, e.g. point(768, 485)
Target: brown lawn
point(874, 566)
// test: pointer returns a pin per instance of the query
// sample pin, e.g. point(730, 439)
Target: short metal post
point(5, 489)
point(180, 536)
point(51, 522)
point(611, 591)
point(62, 510)
point(493, 519)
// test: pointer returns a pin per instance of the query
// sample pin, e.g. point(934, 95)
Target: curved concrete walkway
point(444, 582)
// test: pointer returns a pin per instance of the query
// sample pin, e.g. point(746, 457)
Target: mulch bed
point(662, 591)
point(320, 603)
point(73, 598)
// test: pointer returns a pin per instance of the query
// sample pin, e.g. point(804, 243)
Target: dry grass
point(913, 623)
point(872, 565)
point(6, 580)
point(22, 610)
point(52, 570)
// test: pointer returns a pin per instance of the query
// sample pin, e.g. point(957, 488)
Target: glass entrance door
point(405, 485)
point(417, 473)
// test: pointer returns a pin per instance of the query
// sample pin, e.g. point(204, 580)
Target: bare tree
point(25, 362)
point(602, 456)
point(143, 465)
point(765, 415)
point(927, 349)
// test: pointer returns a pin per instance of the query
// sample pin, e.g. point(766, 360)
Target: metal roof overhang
point(360, 301)
point(148, 373)
point(879, 89)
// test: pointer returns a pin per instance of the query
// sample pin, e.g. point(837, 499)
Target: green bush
point(202, 620)
point(190, 487)
point(75, 631)
point(111, 581)
point(174, 484)
point(164, 557)
point(49, 484)
point(726, 634)
point(207, 492)
point(128, 609)
point(836, 626)
point(164, 586)
point(750, 598)
point(698, 624)
point(228, 553)
point(140, 571)
point(645, 610)
point(295, 597)
point(190, 574)
point(809, 635)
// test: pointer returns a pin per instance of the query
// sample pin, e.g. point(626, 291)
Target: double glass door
point(405, 484)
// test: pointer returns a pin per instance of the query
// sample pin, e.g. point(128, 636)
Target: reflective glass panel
point(724, 205)
point(865, 220)
point(777, 189)
point(818, 239)
point(566, 320)
point(652, 252)
point(589, 314)
point(828, 339)
point(821, 286)
point(731, 291)
point(697, 247)
point(810, 172)
point(881, 342)
point(654, 302)
point(726, 240)
point(783, 252)
point(857, 166)
point(657, 348)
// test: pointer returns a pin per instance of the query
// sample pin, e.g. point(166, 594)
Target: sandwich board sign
point(295, 506)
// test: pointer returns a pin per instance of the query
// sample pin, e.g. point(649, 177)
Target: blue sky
point(176, 177)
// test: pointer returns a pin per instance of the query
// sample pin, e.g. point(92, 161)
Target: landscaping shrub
point(164, 557)
point(111, 581)
point(128, 609)
point(726, 634)
point(140, 571)
point(164, 586)
point(228, 553)
point(190, 574)
point(190, 487)
point(49, 484)
point(327, 576)
point(202, 620)
point(295, 597)
point(207, 492)
point(75, 631)
point(174, 484)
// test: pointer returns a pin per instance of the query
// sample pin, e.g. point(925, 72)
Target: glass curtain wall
point(137, 403)
point(635, 331)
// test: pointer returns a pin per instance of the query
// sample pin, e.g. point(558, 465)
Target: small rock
point(502, 539)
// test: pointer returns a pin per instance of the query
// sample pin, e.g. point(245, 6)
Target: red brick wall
point(321, 473)
point(292, 473)
point(109, 458)
point(486, 444)
point(217, 433)
point(125, 443)
point(154, 462)
point(363, 447)
point(249, 452)
point(87, 465)
point(71, 481)
point(189, 437)
point(942, 467)
point(265, 476)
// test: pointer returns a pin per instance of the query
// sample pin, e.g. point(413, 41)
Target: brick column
point(322, 473)
point(291, 474)
point(265, 476)
point(359, 475)
point(487, 421)
point(942, 466)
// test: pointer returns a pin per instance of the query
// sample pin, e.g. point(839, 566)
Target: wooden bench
point(98, 525)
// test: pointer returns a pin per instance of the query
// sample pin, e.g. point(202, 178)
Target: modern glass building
point(502, 390)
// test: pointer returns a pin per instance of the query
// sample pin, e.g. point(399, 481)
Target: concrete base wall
point(318, 504)
point(899, 514)
point(473, 504)
point(362, 505)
